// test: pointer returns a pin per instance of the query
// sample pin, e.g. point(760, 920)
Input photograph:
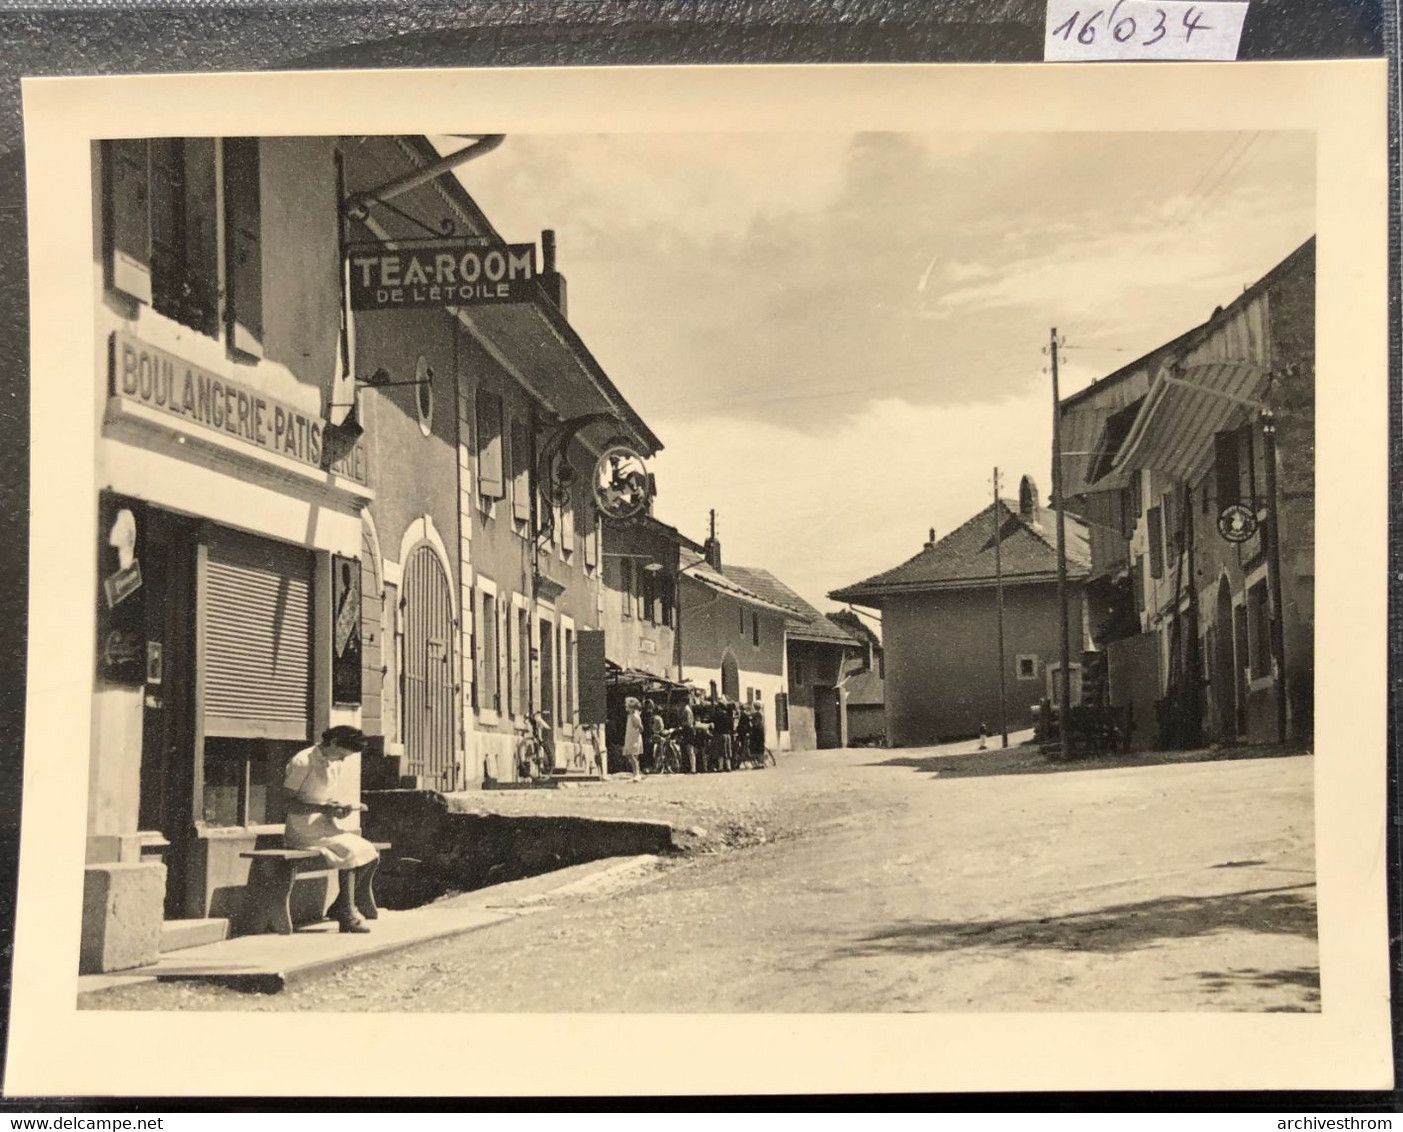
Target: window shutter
point(127, 167)
point(589, 524)
point(567, 521)
point(489, 444)
point(1225, 469)
point(470, 668)
point(521, 473)
point(243, 245)
point(256, 663)
point(626, 585)
point(1156, 529)
point(1137, 580)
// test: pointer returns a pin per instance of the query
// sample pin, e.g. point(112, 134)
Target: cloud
point(825, 510)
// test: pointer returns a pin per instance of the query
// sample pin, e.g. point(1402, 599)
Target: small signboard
point(1237, 523)
point(454, 272)
point(121, 611)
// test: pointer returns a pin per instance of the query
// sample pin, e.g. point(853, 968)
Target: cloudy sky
point(837, 336)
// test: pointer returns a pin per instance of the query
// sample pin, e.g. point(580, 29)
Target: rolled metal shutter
point(257, 620)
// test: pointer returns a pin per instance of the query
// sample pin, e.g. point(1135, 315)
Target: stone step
point(177, 934)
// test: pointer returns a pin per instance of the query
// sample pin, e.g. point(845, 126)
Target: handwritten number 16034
point(1124, 29)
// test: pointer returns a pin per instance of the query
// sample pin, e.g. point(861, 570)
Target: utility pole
point(999, 586)
point(1064, 705)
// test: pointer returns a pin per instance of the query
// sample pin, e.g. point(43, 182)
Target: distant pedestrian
point(633, 736)
point(725, 723)
point(649, 743)
point(742, 734)
point(983, 736)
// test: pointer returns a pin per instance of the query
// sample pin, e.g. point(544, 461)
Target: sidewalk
point(269, 963)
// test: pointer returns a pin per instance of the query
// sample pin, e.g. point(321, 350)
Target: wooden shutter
point(1137, 581)
point(126, 164)
point(626, 585)
point(589, 649)
point(243, 245)
point(589, 519)
point(256, 620)
point(1225, 469)
point(567, 519)
point(489, 445)
point(1156, 530)
point(521, 473)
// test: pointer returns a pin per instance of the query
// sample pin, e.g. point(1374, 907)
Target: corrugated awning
point(1173, 431)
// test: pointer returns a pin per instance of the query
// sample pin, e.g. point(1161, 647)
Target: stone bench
point(267, 903)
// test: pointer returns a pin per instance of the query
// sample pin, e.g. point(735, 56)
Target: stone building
point(939, 614)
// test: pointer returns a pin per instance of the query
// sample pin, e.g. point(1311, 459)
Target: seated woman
point(316, 809)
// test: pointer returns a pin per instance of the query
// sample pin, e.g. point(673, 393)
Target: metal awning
point(1173, 432)
point(616, 675)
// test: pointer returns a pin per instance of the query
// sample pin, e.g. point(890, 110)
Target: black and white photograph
point(851, 564)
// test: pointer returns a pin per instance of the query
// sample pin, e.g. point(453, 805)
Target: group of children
point(713, 735)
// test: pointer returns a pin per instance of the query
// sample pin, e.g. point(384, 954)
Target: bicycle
point(533, 760)
point(667, 754)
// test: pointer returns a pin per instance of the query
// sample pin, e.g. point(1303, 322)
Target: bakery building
point(228, 519)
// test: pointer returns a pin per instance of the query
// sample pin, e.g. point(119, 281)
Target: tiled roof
point(865, 689)
point(807, 623)
point(965, 557)
point(696, 567)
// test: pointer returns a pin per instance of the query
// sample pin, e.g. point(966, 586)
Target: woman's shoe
point(356, 927)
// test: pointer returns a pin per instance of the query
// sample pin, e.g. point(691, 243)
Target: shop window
point(243, 781)
point(1156, 536)
point(1259, 622)
point(1027, 668)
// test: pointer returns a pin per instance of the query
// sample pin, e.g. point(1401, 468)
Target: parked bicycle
point(667, 754)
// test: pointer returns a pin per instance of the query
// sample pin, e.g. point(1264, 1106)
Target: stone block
point(123, 904)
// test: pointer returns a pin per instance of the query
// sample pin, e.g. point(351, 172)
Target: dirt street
point(927, 880)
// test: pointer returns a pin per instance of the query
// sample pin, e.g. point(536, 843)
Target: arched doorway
point(429, 716)
point(1224, 673)
point(730, 677)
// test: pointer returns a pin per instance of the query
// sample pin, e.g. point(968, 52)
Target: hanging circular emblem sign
point(622, 485)
point(1237, 523)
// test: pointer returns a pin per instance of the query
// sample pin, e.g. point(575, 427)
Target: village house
point(863, 678)
point(482, 557)
point(939, 614)
point(733, 639)
point(1202, 464)
point(816, 652)
point(228, 514)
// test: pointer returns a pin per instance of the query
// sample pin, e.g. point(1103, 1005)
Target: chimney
point(931, 544)
point(552, 282)
point(712, 547)
point(1029, 510)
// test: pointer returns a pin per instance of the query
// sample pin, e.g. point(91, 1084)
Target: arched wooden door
point(730, 678)
point(430, 719)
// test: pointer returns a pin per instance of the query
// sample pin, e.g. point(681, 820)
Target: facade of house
point(816, 652)
point(491, 568)
point(222, 522)
point(733, 640)
point(640, 579)
point(318, 510)
point(1209, 470)
point(863, 678)
point(939, 615)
